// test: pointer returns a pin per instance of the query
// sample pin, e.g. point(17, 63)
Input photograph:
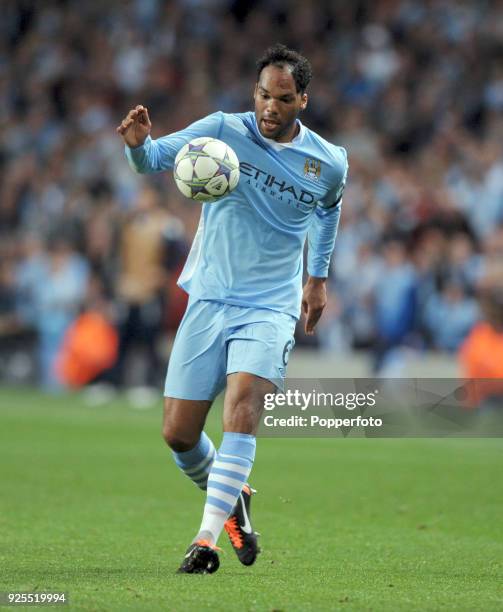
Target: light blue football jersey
point(248, 249)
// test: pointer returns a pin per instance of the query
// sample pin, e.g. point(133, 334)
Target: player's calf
point(193, 451)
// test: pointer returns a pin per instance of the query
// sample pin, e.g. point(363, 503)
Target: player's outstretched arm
point(146, 155)
point(135, 127)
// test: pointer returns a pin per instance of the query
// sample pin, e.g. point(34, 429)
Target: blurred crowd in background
point(412, 88)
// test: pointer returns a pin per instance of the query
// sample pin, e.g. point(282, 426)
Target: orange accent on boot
point(232, 528)
point(247, 489)
point(207, 544)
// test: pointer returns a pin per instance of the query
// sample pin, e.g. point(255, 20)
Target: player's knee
point(176, 439)
point(176, 443)
point(174, 431)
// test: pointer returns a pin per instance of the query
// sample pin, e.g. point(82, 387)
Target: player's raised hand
point(314, 300)
point(135, 127)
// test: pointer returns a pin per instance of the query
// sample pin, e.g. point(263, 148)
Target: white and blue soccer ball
point(206, 169)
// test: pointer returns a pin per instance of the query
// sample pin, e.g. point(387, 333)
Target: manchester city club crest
point(312, 169)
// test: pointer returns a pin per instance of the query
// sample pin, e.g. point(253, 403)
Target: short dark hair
point(280, 55)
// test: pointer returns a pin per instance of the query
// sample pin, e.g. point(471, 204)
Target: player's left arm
point(321, 241)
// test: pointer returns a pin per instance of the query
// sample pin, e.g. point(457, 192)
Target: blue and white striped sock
point(196, 462)
point(228, 474)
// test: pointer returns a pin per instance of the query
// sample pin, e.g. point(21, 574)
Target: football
point(206, 169)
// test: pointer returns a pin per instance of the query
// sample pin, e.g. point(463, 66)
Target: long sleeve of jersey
point(321, 239)
point(158, 155)
point(323, 230)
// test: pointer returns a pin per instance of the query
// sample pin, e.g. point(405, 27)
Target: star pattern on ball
point(224, 170)
point(199, 189)
point(198, 147)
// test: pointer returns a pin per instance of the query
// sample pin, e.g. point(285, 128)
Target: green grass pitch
point(92, 504)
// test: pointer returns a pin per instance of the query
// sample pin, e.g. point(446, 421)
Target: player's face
point(277, 103)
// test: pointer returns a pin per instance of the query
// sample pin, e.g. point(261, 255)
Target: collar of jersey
point(279, 146)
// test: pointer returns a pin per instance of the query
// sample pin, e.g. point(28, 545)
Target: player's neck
point(290, 135)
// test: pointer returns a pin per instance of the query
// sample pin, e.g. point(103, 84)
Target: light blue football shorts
point(215, 339)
